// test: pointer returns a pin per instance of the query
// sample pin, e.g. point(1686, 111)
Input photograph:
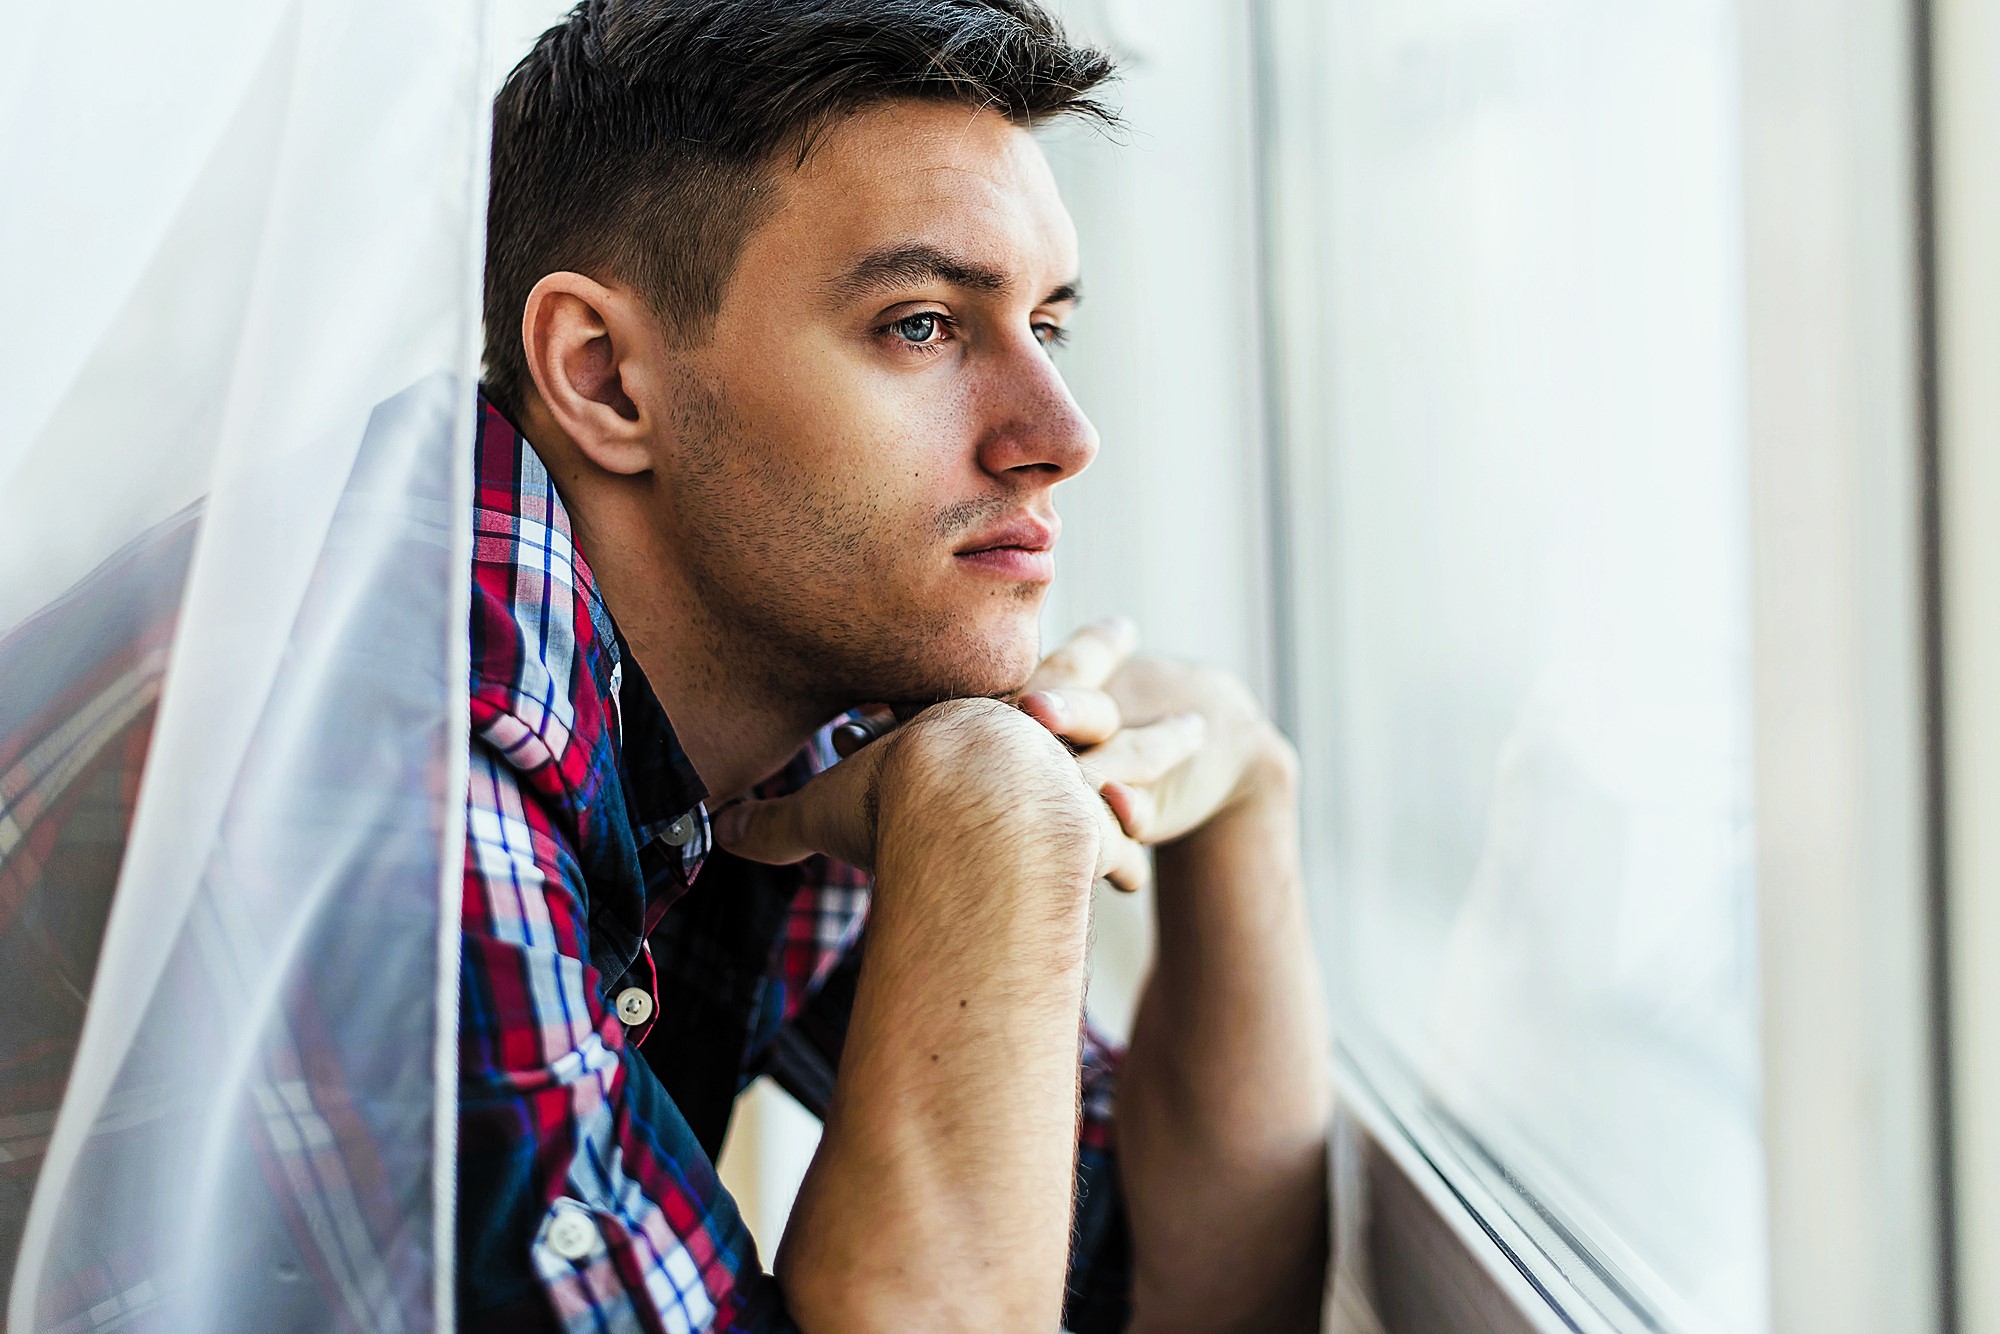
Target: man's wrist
point(1272, 775)
point(1256, 827)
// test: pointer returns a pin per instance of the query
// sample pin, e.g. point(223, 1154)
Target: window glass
point(1507, 271)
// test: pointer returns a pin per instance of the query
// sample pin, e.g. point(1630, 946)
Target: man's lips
point(1025, 533)
point(1020, 549)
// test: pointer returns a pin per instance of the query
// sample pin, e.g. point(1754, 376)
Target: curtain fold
point(241, 247)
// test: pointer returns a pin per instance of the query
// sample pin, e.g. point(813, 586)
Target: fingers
point(1134, 806)
point(874, 722)
point(832, 814)
point(763, 831)
point(1087, 658)
point(1184, 799)
point(1147, 781)
point(855, 733)
point(1121, 860)
point(1064, 695)
point(1080, 717)
point(1148, 754)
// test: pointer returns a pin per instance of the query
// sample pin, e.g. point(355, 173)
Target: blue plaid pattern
point(588, 1198)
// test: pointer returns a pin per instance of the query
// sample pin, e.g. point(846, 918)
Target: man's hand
point(954, 1112)
point(1167, 745)
point(1170, 745)
point(1223, 1098)
point(837, 813)
point(939, 1198)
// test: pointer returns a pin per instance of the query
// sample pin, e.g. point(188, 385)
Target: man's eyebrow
point(920, 262)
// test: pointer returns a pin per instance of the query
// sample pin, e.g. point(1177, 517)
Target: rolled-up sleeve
point(585, 1201)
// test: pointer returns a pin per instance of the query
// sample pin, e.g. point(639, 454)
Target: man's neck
point(737, 727)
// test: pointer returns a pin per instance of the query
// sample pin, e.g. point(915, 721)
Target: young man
point(771, 437)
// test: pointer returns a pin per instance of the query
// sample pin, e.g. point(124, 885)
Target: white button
point(635, 1007)
point(571, 1233)
point(681, 832)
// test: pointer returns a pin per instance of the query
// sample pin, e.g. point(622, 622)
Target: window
point(1624, 405)
point(1509, 281)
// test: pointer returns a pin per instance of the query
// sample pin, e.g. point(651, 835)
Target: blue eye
point(919, 329)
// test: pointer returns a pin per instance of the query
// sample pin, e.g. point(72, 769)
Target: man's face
point(864, 455)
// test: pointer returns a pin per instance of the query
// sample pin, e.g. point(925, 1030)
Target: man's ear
point(590, 350)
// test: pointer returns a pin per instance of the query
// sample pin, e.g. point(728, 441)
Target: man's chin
point(967, 666)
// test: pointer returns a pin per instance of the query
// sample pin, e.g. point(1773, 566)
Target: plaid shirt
point(79, 689)
point(326, 1169)
point(623, 981)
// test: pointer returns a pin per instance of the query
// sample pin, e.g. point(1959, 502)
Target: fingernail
point(1053, 701)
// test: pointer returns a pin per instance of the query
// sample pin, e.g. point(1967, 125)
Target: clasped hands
point(1167, 746)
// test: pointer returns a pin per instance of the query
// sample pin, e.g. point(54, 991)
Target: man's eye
point(1052, 335)
point(920, 330)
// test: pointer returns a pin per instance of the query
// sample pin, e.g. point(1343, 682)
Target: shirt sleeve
point(1098, 1299)
point(585, 1202)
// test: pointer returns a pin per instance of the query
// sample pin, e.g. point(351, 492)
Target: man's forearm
point(940, 1196)
point(1224, 1098)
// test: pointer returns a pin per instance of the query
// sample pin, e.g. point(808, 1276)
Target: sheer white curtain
point(239, 260)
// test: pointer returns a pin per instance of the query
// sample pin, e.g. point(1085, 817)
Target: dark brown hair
point(634, 141)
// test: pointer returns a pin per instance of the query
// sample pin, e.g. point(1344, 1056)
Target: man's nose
point(1036, 425)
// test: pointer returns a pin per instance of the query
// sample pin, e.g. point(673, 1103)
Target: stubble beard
point(765, 551)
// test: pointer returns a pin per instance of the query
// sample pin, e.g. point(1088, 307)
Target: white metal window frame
point(1965, 143)
point(1839, 433)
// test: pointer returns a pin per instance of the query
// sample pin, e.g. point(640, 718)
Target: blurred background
point(1580, 423)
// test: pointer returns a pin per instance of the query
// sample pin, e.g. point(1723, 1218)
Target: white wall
point(1165, 526)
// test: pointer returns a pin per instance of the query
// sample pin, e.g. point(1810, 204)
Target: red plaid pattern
point(588, 1194)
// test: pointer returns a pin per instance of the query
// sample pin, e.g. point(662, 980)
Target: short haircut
point(635, 140)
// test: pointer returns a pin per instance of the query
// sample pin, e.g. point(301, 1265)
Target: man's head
point(783, 274)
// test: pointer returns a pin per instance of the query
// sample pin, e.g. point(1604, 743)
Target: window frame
point(1964, 69)
point(1840, 441)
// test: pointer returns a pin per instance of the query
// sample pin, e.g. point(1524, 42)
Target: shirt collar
point(517, 497)
point(663, 792)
